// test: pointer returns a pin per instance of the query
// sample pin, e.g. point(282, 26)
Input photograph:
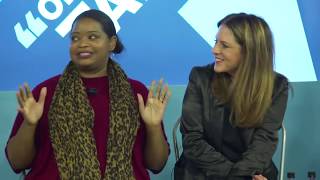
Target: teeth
point(84, 54)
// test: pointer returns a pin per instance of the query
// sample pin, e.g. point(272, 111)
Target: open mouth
point(84, 55)
point(218, 60)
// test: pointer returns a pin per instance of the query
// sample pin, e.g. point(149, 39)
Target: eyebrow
point(77, 32)
point(225, 42)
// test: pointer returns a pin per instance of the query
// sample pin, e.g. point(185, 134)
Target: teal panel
point(8, 110)
point(301, 121)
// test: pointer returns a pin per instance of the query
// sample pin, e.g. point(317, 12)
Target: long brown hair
point(249, 92)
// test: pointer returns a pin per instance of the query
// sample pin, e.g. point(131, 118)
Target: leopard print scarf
point(71, 120)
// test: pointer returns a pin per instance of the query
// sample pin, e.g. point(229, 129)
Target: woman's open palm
point(28, 106)
point(152, 113)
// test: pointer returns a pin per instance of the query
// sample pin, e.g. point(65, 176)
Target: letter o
point(47, 14)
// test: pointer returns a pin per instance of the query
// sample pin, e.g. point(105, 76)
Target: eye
point(224, 45)
point(74, 38)
point(93, 37)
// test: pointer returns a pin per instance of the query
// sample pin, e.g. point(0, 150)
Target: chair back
point(176, 145)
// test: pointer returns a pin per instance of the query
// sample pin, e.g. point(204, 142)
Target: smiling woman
point(232, 109)
point(91, 42)
point(91, 121)
point(227, 52)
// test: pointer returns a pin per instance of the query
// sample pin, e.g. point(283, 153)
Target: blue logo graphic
point(36, 26)
point(162, 38)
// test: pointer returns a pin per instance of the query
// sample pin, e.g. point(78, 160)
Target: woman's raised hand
point(28, 106)
point(152, 113)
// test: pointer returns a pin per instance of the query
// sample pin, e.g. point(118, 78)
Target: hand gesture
point(152, 113)
point(30, 109)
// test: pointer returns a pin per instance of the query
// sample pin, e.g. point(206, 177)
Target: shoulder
point(50, 84)
point(281, 84)
point(202, 75)
point(206, 70)
point(281, 80)
point(137, 86)
point(281, 77)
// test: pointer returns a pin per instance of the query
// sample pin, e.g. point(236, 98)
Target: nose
point(83, 42)
point(215, 49)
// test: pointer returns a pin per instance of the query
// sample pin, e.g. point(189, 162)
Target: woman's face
point(90, 47)
point(227, 52)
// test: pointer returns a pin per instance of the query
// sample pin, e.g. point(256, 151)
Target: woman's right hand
point(28, 106)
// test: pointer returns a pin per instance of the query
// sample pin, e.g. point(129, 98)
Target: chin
point(218, 69)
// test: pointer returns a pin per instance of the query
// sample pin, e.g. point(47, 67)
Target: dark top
point(232, 144)
point(207, 153)
point(44, 164)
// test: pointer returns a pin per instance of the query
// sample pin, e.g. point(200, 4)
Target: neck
point(93, 73)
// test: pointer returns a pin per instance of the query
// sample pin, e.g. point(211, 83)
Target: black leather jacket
point(201, 128)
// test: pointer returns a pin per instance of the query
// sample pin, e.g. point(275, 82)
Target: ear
point(112, 43)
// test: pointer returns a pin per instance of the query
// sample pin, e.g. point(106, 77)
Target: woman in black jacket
point(233, 108)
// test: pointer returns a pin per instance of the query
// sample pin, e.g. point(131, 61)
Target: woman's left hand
point(259, 177)
point(152, 113)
